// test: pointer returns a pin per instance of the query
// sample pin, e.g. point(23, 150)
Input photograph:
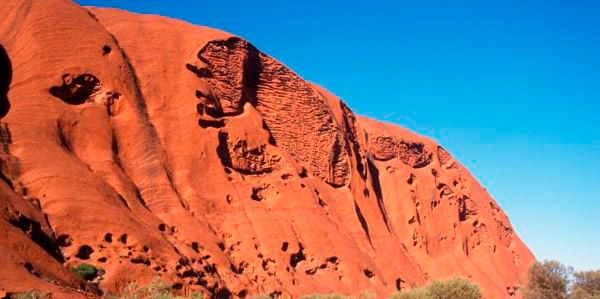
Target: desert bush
point(367, 295)
point(548, 280)
point(29, 295)
point(418, 293)
point(325, 296)
point(454, 288)
point(87, 271)
point(157, 289)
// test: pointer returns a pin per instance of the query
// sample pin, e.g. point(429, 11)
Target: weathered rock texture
point(151, 147)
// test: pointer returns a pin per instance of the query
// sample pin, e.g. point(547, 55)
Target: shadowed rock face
point(151, 147)
point(5, 78)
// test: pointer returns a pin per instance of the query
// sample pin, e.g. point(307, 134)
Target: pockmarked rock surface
point(150, 147)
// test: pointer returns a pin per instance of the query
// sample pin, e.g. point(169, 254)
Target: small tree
point(586, 285)
point(548, 280)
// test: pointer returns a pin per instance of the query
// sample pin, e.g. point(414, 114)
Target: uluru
point(149, 148)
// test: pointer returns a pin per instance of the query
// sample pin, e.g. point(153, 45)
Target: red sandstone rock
point(151, 147)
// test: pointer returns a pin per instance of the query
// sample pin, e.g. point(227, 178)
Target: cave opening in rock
point(5, 79)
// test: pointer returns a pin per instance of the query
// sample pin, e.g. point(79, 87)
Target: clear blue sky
point(510, 88)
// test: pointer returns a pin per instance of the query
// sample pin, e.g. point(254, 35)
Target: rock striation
point(150, 147)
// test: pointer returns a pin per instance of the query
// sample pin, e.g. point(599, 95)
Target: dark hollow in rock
point(399, 283)
point(195, 247)
point(322, 203)
point(84, 252)
point(140, 260)
point(210, 269)
point(204, 123)
point(200, 72)
point(257, 193)
point(63, 240)
point(5, 79)
point(303, 173)
point(108, 238)
point(332, 259)
point(221, 246)
point(222, 293)
point(411, 179)
point(29, 267)
point(466, 208)
point(106, 50)
point(297, 257)
point(76, 90)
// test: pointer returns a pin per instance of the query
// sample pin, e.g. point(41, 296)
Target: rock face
point(150, 147)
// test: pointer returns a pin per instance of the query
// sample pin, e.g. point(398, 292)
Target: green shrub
point(87, 271)
point(454, 288)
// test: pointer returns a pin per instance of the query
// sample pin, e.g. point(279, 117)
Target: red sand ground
point(151, 147)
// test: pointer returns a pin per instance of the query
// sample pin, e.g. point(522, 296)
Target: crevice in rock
point(351, 138)
point(376, 184)
point(363, 222)
point(34, 230)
